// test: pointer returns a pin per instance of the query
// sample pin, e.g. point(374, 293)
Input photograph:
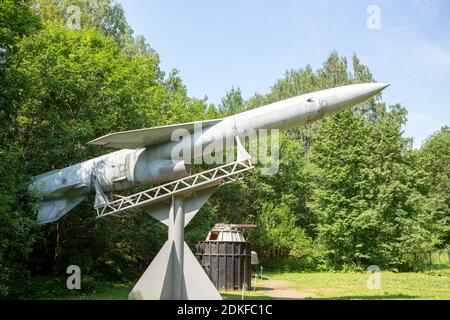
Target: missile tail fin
point(52, 210)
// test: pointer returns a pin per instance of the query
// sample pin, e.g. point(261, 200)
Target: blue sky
point(217, 44)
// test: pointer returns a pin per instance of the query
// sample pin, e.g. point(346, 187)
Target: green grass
point(323, 285)
point(54, 288)
point(430, 284)
point(258, 294)
point(354, 285)
point(108, 291)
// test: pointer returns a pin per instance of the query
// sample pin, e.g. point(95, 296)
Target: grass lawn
point(432, 284)
point(317, 285)
point(329, 285)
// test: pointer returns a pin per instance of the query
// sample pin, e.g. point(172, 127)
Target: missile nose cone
point(358, 93)
point(369, 90)
point(339, 99)
point(378, 87)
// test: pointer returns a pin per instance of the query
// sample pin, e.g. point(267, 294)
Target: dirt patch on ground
point(284, 289)
point(274, 284)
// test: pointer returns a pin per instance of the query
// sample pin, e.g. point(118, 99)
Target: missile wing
point(53, 210)
point(147, 137)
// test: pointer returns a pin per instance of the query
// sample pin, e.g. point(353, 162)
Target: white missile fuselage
point(146, 160)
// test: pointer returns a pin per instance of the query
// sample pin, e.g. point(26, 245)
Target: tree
point(435, 159)
point(17, 223)
point(349, 189)
point(333, 73)
point(16, 21)
point(369, 196)
point(292, 183)
point(278, 235)
point(107, 16)
point(17, 226)
point(435, 154)
point(232, 102)
point(76, 85)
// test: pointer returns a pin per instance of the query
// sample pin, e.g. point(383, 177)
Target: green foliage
point(435, 155)
point(435, 159)
point(66, 88)
point(107, 16)
point(17, 222)
point(279, 236)
point(78, 86)
point(81, 86)
point(349, 190)
point(16, 20)
point(368, 194)
point(352, 182)
point(232, 102)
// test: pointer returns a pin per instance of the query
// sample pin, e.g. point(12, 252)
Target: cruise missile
point(145, 156)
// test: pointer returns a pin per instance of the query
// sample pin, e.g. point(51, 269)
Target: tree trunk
point(431, 260)
point(56, 268)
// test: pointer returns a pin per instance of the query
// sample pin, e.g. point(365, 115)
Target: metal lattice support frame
point(175, 273)
point(220, 175)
